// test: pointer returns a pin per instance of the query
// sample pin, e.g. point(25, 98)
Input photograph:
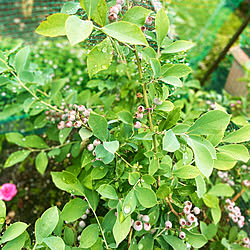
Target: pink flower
point(137, 125)
point(7, 191)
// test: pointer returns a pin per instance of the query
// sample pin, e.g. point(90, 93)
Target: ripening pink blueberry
point(186, 210)
point(145, 218)
point(189, 224)
point(148, 20)
point(7, 191)
point(168, 224)
point(137, 125)
point(112, 17)
point(121, 2)
point(188, 203)
point(90, 147)
point(246, 240)
point(138, 115)
point(81, 108)
point(182, 235)
point(239, 102)
point(87, 211)
point(82, 224)
point(191, 218)
point(61, 125)
point(196, 210)
point(71, 117)
point(138, 225)
point(68, 124)
point(242, 218)
point(158, 101)
point(246, 183)
point(85, 120)
point(86, 112)
point(240, 223)
point(182, 222)
point(77, 124)
point(235, 219)
point(147, 226)
point(96, 142)
point(84, 217)
point(113, 9)
point(141, 109)
point(232, 105)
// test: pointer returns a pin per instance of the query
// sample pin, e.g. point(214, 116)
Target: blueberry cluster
point(226, 178)
point(82, 223)
point(141, 223)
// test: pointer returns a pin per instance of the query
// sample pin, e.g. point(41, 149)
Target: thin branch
point(123, 160)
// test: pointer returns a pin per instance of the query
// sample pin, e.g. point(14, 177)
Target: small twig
point(238, 195)
point(162, 231)
point(172, 209)
point(130, 237)
point(123, 160)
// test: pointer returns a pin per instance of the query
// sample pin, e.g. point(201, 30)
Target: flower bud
point(143, 29)
point(240, 223)
point(246, 240)
point(82, 224)
point(246, 183)
point(84, 217)
point(168, 224)
point(121, 2)
point(182, 222)
point(141, 109)
point(147, 226)
point(96, 142)
point(191, 218)
point(186, 210)
point(87, 211)
point(138, 115)
point(137, 125)
point(188, 203)
point(119, 7)
point(86, 112)
point(71, 117)
point(138, 225)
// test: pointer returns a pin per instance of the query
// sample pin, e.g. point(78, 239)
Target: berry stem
point(172, 209)
point(123, 160)
point(237, 196)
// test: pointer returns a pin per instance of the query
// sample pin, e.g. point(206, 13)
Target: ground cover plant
point(144, 170)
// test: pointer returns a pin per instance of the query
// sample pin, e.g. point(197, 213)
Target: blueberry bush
point(146, 170)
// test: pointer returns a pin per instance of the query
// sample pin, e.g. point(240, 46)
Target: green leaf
point(126, 117)
point(3, 67)
point(186, 172)
point(221, 189)
point(103, 154)
point(166, 106)
point(89, 236)
point(201, 186)
point(196, 240)
point(153, 166)
point(2, 213)
point(16, 138)
point(68, 236)
point(178, 46)
point(46, 224)
point(211, 200)
point(68, 182)
point(146, 197)
point(156, 66)
point(89, 6)
point(238, 152)
point(111, 146)
point(107, 191)
point(170, 142)
point(163, 191)
point(35, 141)
point(13, 231)
point(233, 233)
point(63, 134)
point(241, 135)
point(129, 204)
point(17, 243)
point(41, 162)
point(85, 133)
point(125, 32)
point(54, 243)
point(177, 70)
point(78, 30)
point(161, 26)
point(74, 209)
point(174, 242)
point(210, 123)
point(172, 80)
point(99, 126)
point(136, 15)
point(148, 53)
point(16, 157)
point(172, 119)
point(92, 197)
point(121, 230)
point(146, 242)
point(98, 173)
point(216, 214)
point(224, 161)
point(133, 178)
point(100, 57)
point(53, 26)
point(21, 59)
point(203, 158)
point(70, 8)
point(100, 13)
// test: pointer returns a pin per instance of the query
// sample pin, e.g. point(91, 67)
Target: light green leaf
point(99, 126)
point(121, 230)
point(17, 243)
point(241, 135)
point(196, 240)
point(100, 13)
point(68, 182)
point(136, 15)
point(129, 204)
point(153, 166)
point(54, 243)
point(100, 57)
point(74, 209)
point(46, 224)
point(236, 151)
point(177, 70)
point(35, 141)
point(3, 67)
point(178, 46)
point(201, 186)
point(107, 191)
point(78, 30)
point(186, 172)
point(16, 138)
point(161, 26)
point(156, 66)
point(203, 158)
point(148, 53)
point(111, 146)
point(210, 200)
point(2, 213)
point(16, 157)
point(170, 142)
point(216, 214)
point(41, 162)
point(221, 189)
point(68, 236)
point(210, 123)
point(146, 197)
point(89, 6)
point(163, 191)
point(105, 155)
point(53, 26)
point(89, 236)
point(126, 117)
point(21, 59)
point(85, 133)
point(63, 134)
point(125, 32)
point(224, 161)
point(133, 177)
point(166, 106)
point(70, 8)
point(13, 231)
point(174, 242)
point(172, 80)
